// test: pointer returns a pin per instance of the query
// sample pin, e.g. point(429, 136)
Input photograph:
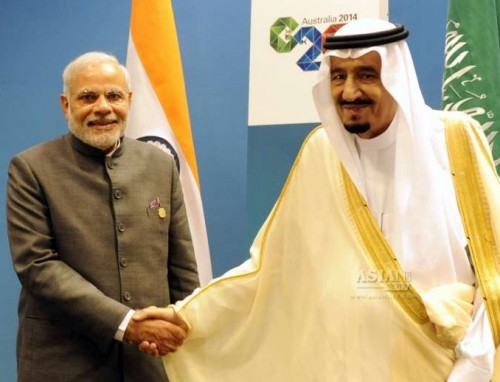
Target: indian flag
point(159, 112)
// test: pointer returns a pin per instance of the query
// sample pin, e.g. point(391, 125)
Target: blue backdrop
point(241, 169)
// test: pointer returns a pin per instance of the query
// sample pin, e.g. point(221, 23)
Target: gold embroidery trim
point(380, 252)
point(475, 214)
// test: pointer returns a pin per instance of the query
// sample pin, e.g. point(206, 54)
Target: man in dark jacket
point(97, 229)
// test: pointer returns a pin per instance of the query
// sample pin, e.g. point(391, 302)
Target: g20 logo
point(285, 36)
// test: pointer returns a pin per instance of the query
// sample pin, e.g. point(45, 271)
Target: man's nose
point(351, 89)
point(102, 105)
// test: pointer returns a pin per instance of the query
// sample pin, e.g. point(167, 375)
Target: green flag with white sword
point(471, 80)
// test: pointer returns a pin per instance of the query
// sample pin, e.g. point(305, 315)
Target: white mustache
point(102, 121)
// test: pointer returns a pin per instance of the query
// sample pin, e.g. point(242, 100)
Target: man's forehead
point(98, 77)
point(370, 59)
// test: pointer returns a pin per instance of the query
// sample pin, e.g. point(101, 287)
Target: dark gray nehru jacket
point(90, 237)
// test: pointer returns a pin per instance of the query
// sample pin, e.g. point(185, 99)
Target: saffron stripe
point(153, 31)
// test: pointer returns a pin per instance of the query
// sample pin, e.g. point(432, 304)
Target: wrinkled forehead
point(369, 60)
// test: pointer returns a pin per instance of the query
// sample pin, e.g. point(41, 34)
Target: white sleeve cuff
point(123, 326)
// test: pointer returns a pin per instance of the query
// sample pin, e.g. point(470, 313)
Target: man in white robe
point(362, 270)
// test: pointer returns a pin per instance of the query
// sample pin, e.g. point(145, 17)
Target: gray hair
point(89, 58)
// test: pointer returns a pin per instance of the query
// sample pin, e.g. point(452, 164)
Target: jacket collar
point(88, 150)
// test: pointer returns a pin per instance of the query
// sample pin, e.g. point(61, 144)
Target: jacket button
point(127, 296)
point(120, 227)
point(123, 261)
point(118, 194)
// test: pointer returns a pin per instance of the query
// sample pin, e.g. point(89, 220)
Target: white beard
point(99, 139)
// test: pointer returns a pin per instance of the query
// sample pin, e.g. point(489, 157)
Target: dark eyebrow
point(334, 70)
point(368, 68)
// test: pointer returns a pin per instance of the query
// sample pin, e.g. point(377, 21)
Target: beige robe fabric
point(310, 305)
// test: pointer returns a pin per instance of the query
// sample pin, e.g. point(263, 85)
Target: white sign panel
point(285, 51)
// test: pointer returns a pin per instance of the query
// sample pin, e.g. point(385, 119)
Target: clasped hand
point(156, 331)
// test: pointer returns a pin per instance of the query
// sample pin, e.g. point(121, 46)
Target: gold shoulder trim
point(380, 252)
point(475, 212)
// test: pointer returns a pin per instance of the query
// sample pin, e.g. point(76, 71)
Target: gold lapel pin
point(162, 213)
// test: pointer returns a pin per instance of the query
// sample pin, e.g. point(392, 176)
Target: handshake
point(156, 331)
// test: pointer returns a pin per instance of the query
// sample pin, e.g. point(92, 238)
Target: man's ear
point(64, 105)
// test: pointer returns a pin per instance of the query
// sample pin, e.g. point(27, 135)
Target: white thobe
point(377, 158)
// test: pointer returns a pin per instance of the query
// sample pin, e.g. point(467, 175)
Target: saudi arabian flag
point(472, 65)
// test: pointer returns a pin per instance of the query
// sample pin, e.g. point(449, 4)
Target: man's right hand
point(156, 331)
